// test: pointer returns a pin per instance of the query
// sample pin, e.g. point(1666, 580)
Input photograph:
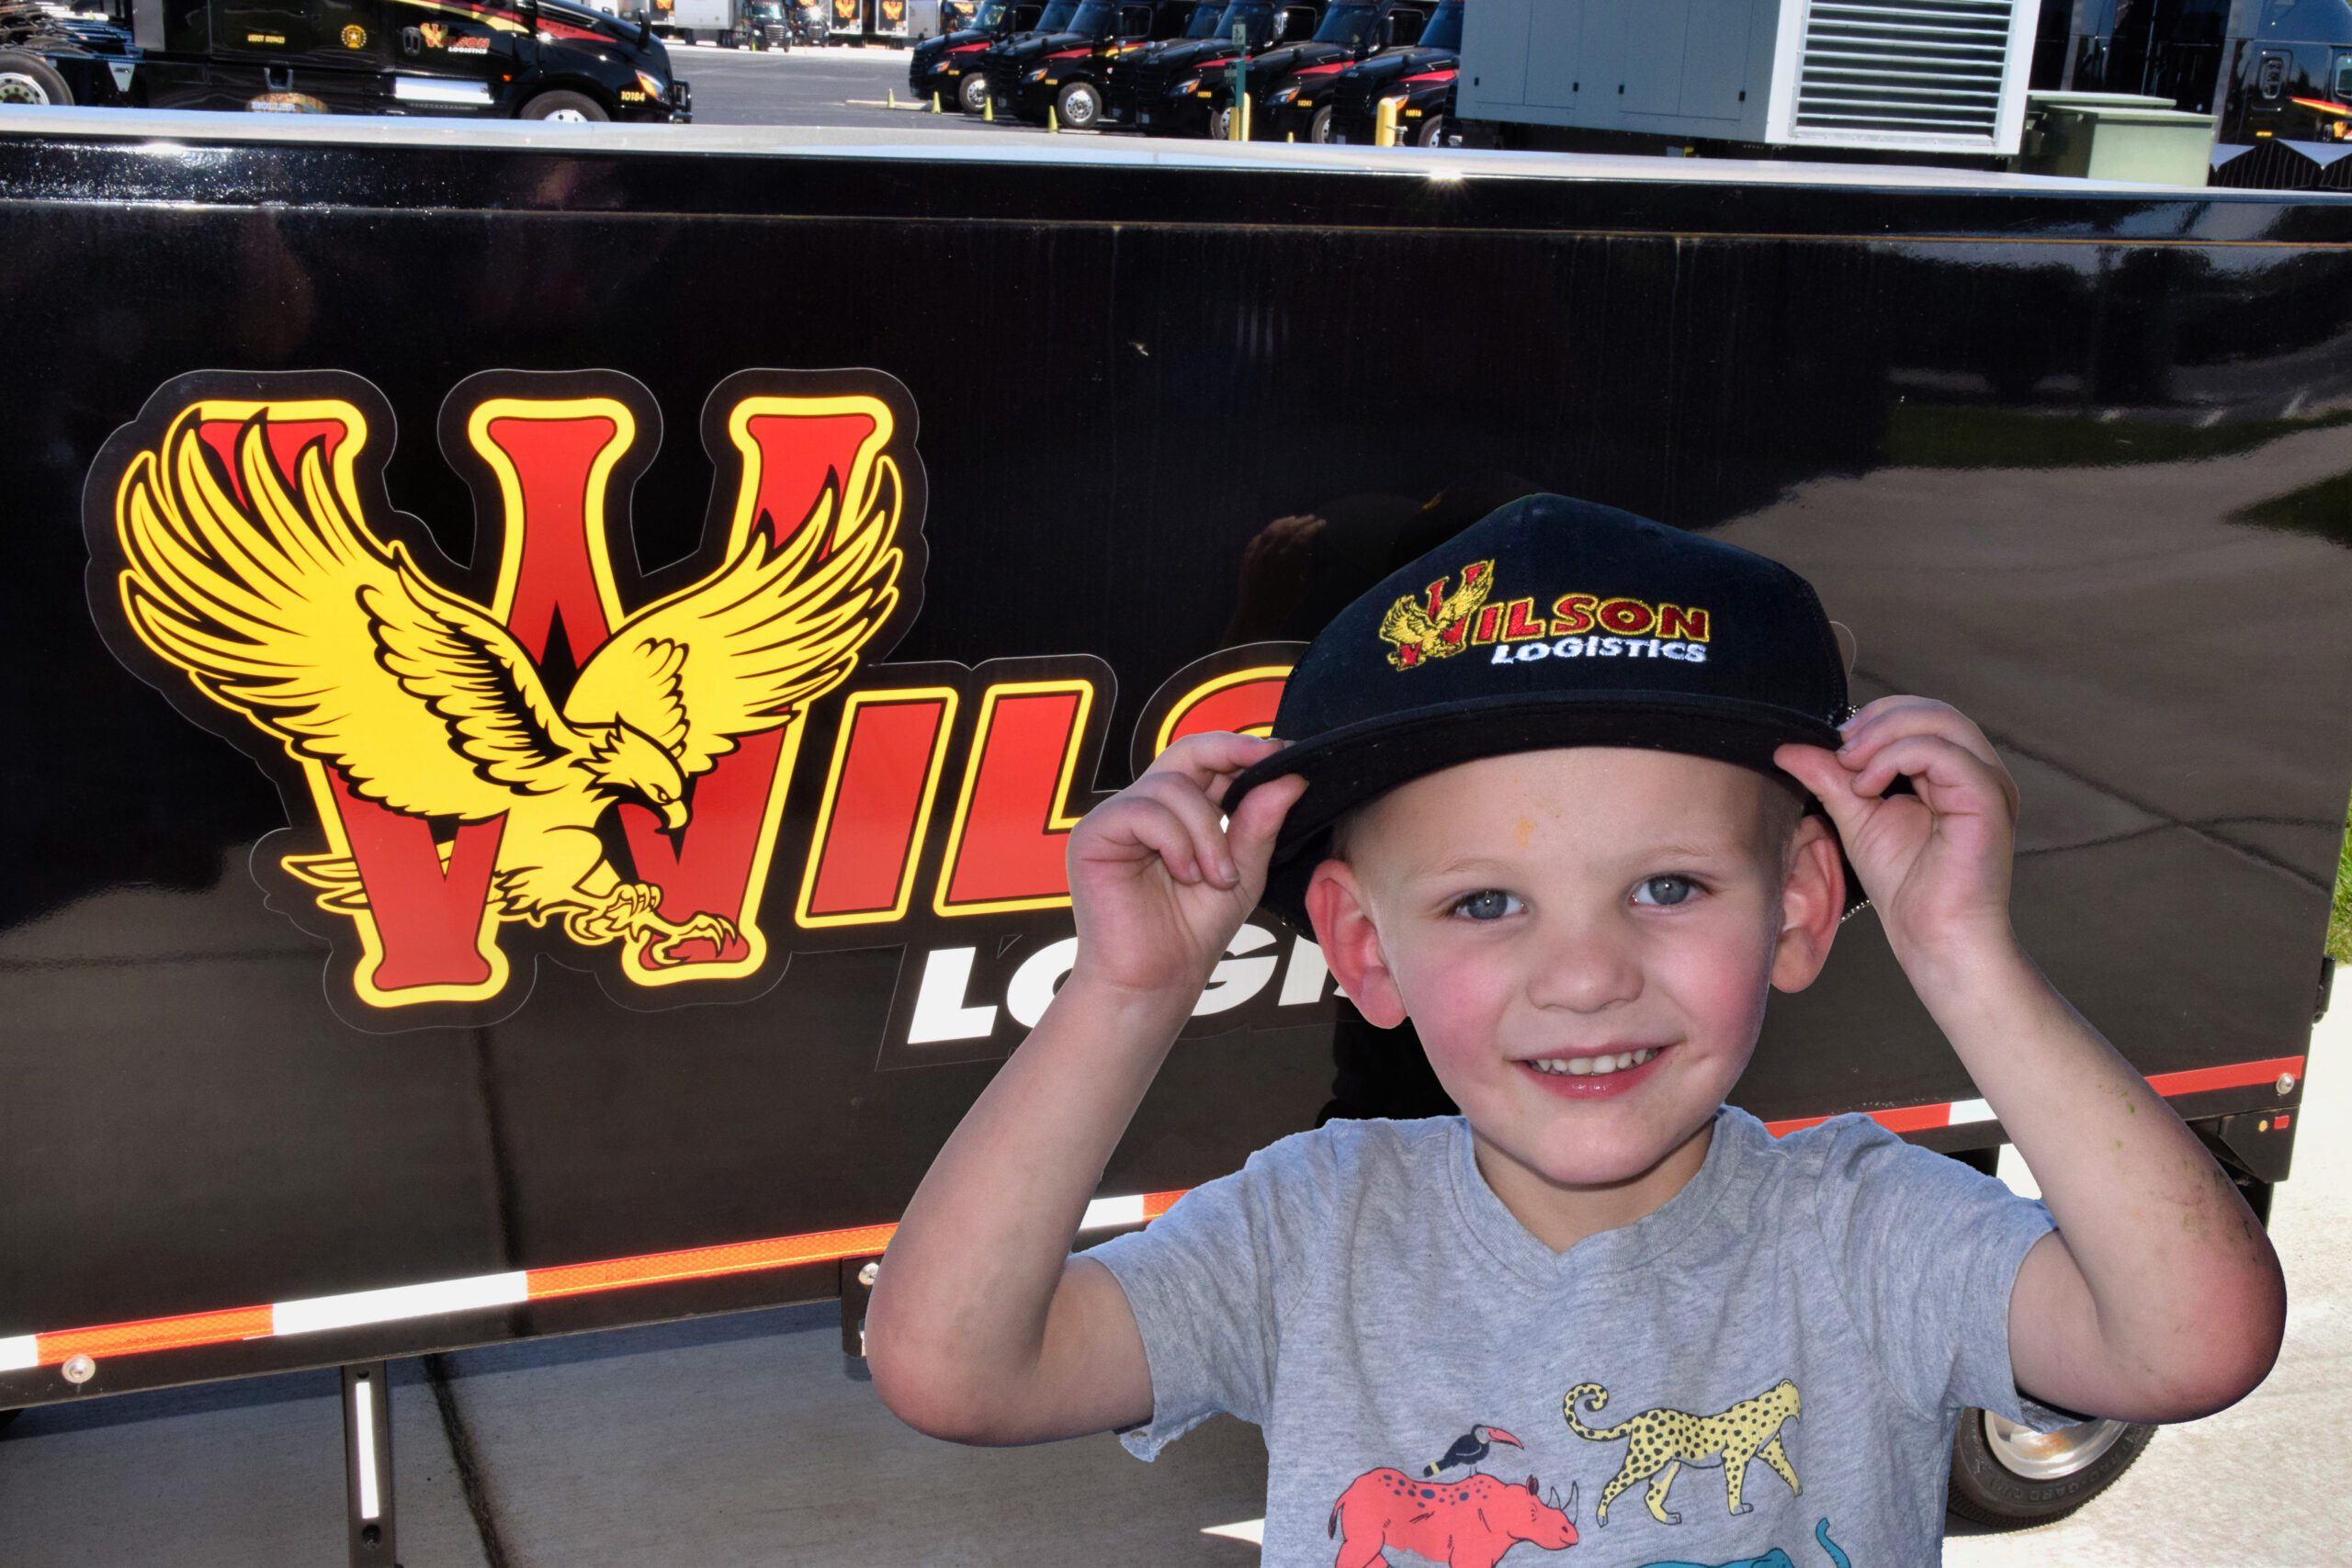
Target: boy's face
point(1542, 917)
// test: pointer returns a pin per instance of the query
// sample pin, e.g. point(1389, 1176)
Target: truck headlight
point(1283, 95)
point(1188, 84)
point(1037, 75)
point(653, 85)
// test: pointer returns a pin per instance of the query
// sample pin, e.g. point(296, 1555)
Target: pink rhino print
point(1463, 1523)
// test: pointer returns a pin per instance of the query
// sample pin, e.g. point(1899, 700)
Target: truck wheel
point(972, 93)
point(1221, 123)
point(1431, 133)
point(29, 79)
point(1079, 105)
point(2004, 1475)
point(1319, 128)
point(563, 106)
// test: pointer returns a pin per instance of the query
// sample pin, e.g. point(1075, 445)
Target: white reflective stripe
point(427, 90)
point(19, 1353)
point(363, 1420)
point(398, 1301)
point(1112, 1211)
point(1966, 1111)
point(1251, 1530)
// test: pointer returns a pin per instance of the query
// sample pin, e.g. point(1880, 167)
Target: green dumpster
point(2115, 136)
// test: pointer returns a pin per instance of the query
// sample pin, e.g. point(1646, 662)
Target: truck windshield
point(1204, 20)
point(1055, 17)
point(1255, 17)
point(991, 14)
point(1096, 17)
point(1349, 25)
point(1445, 30)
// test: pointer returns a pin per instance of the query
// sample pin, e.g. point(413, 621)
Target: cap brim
point(1346, 767)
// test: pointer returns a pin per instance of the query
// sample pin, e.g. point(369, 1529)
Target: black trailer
point(307, 1065)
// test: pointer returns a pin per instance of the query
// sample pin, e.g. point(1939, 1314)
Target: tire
point(563, 106)
point(29, 79)
point(1079, 105)
point(1431, 130)
point(1221, 123)
point(1319, 128)
point(2007, 1477)
point(972, 93)
point(685, 35)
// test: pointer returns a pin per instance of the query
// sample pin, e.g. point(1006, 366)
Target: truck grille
point(1004, 77)
point(1891, 73)
point(1352, 96)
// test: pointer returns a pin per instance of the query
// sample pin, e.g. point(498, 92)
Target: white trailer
point(1921, 77)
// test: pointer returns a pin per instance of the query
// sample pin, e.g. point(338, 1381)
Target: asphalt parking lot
point(840, 87)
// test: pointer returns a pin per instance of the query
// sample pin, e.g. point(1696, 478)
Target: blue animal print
point(1775, 1558)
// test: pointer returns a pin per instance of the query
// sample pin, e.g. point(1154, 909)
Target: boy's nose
point(1585, 971)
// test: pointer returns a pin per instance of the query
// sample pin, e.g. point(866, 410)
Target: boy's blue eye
point(1666, 891)
point(1488, 905)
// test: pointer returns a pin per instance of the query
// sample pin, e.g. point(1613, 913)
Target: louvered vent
point(1886, 72)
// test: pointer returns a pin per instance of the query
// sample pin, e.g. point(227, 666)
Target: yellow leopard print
point(1663, 1441)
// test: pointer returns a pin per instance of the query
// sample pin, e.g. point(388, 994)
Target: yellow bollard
point(1053, 120)
point(934, 104)
point(1245, 117)
point(1290, 136)
point(987, 109)
point(1384, 122)
point(890, 94)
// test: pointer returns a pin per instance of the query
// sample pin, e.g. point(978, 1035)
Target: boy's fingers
point(1182, 797)
point(1141, 821)
point(1259, 820)
point(1938, 759)
point(1821, 772)
point(1209, 759)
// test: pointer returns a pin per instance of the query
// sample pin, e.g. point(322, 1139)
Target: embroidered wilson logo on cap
point(1443, 620)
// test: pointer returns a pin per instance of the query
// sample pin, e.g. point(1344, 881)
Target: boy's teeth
point(1585, 1067)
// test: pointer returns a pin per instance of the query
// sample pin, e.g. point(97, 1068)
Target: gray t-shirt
point(1773, 1359)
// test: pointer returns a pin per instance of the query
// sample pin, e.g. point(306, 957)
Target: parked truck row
point(1907, 81)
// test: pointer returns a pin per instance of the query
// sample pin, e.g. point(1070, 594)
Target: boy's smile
point(1584, 939)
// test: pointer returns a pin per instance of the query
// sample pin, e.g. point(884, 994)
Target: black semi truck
point(533, 59)
point(946, 65)
point(1059, 73)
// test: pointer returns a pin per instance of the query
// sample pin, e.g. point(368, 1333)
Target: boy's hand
point(1936, 861)
point(1158, 885)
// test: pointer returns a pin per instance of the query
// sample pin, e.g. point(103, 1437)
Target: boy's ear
point(1351, 944)
point(1813, 896)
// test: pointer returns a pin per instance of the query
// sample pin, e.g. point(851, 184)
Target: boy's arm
point(2158, 1298)
point(983, 1328)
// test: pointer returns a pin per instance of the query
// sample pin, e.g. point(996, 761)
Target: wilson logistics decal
point(676, 778)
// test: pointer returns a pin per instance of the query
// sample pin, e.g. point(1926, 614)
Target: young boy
point(1541, 795)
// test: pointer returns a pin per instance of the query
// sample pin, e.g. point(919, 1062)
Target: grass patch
point(2324, 508)
point(2339, 910)
point(1960, 435)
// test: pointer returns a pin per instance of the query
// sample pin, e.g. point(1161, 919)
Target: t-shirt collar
point(1627, 1247)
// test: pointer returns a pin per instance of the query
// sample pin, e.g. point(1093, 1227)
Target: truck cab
point(2285, 74)
point(1167, 91)
point(1345, 108)
point(947, 65)
point(531, 58)
point(1350, 31)
point(1062, 71)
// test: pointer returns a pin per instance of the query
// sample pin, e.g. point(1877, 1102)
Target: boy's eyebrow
point(1653, 854)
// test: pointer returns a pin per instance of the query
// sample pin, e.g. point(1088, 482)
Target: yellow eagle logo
point(1435, 624)
point(282, 604)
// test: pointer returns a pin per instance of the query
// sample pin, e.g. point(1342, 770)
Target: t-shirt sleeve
point(1925, 1251)
point(1208, 1282)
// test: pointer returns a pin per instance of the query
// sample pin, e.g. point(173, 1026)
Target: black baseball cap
point(1552, 622)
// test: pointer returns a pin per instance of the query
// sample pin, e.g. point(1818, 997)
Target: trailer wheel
point(972, 93)
point(1079, 105)
point(1319, 128)
point(564, 105)
point(29, 79)
point(2004, 1475)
